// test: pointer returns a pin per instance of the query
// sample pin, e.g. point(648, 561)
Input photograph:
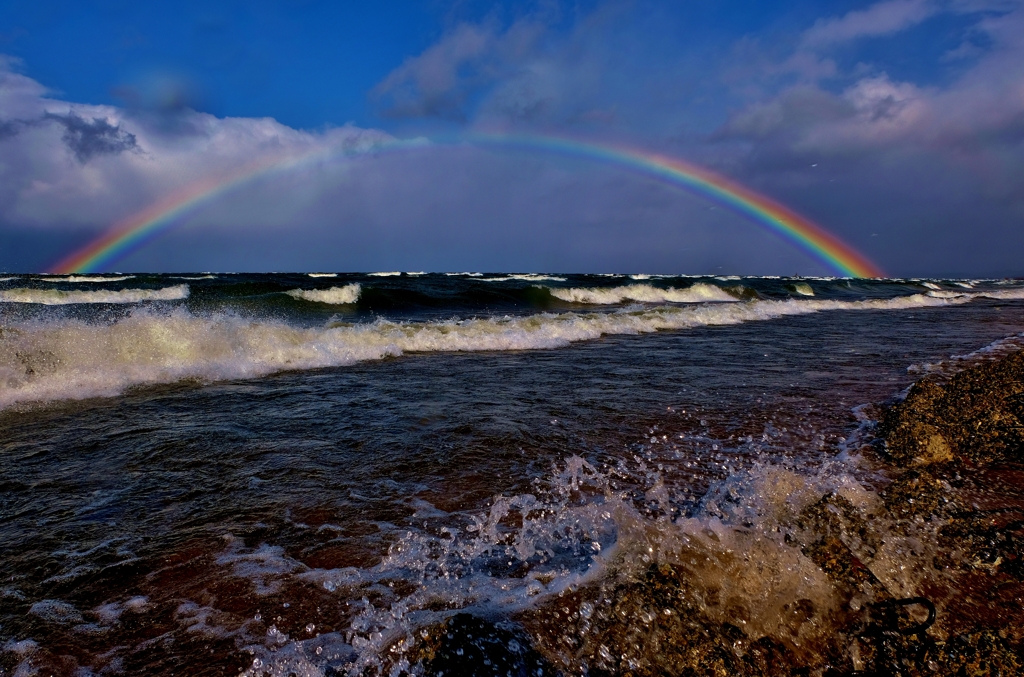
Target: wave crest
point(74, 359)
point(642, 293)
point(337, 296)
point(61, 297)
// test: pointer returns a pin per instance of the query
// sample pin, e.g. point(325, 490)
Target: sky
point(897, 125)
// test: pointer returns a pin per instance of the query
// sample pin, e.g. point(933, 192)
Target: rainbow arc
point(136, 230)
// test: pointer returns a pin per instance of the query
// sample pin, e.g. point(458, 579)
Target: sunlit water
point(293, 474)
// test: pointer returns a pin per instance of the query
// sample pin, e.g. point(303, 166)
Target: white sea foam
point(643, 293)
point(392, 273)
point(335, 295)
point(322, 274)
point(60, 297)
point(528, 277)
point(43, 360)
point(464, 274)
point(96, 278)
point(193, 277)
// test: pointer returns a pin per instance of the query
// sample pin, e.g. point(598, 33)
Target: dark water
point(208, 476)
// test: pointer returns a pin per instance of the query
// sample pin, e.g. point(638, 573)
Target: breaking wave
point(643, 293)
point(58, 359)
point(60, 297)
point(322, 274)
point(528, 277)
point(92, 278)
point(335, 295)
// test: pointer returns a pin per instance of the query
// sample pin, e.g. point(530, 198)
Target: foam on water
point(643, 293)
point(322, 274)
point(528, 277)
point(390, 273)
point(70, 358)
point(96, 278)
point(335, 295)
point(739, 551)
point(60, 297)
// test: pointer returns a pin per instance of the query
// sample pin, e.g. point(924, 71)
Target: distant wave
point(392, 273)
point(72, 359)
point(335, 295)
point(643, 293)
point(322, 274)
point(528, 277)
point(82, 278)
point(193, 277)
point(464, 274)
point(60, 297)
point(90, 278)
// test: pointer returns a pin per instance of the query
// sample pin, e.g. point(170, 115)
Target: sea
point(301, 474)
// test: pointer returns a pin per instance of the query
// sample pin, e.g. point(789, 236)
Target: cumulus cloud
point(71, 165)
point(980, 110)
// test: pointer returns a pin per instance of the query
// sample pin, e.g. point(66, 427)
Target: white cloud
point(66, 164)
point(883, 18)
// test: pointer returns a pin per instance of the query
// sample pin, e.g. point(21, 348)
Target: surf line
point(135, 231)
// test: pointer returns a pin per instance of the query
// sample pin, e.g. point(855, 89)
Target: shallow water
point(231, 477)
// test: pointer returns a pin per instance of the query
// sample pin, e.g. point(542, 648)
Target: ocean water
point(300, 473)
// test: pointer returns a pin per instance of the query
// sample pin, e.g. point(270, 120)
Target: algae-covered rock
point(978, 417)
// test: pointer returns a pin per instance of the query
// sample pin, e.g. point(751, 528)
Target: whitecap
point(70, 358)
point(96, 278)
point(642, 293)
point(529, 277)
point(322, 274)
point(335, 295)
point(60, 297)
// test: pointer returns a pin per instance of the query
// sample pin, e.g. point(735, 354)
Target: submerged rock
point(468, 646)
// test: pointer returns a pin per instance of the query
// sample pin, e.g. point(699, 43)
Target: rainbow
point(135, 231)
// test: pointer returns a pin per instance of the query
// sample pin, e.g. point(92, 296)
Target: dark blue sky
point(896, 124)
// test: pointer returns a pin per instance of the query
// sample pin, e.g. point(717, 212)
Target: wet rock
point(980, 653)
point(915, 493)
point(651, 626)
point(833, 532)
point(468, 646)
point(990, 541)
point(977, 417)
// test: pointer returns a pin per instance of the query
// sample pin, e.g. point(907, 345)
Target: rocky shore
point(920, 574)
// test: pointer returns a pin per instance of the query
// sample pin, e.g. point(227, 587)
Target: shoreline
point(952, 512)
